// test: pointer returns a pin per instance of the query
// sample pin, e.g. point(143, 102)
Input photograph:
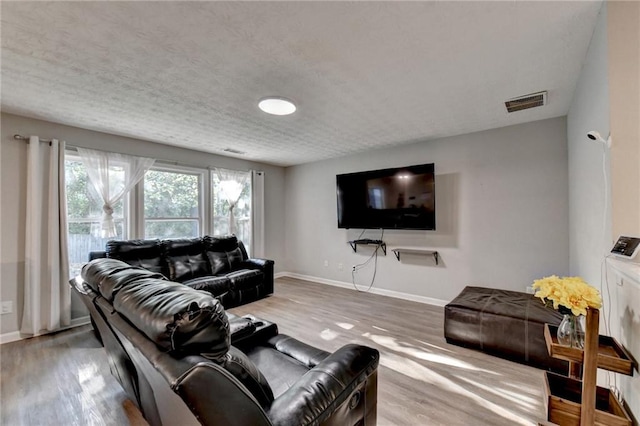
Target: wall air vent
point(531, 100)
point(234, 151)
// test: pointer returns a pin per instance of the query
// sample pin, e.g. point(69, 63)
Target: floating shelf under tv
point(415, 250)
point(367, 242)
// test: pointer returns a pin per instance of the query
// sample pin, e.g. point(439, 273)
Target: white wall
point(590, 230)
point(13, 200)
point(623, 32)
point(501, 207)
point(590, 209)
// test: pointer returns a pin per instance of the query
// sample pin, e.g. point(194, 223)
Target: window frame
point(203, 218)
point(133, 203)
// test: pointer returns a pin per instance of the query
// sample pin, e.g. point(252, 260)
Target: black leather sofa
point(185, 361)
point(218, 264)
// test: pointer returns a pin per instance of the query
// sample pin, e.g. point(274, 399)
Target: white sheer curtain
point(257, 213)
point(112, 175)
point(47, 296)
point(231, 183)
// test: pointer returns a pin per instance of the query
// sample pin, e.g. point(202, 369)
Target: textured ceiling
point(364, 74)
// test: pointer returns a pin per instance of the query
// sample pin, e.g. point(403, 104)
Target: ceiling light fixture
point(277, 106)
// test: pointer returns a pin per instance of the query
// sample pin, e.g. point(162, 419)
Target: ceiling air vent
point(531, 100)
point(234, 151)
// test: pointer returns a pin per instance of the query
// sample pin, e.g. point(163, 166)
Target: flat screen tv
point(398, 198)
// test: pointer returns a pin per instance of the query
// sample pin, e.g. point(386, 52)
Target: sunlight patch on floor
point(391, 343)
point(345, 325)
point(328, 334)
point(528, 403)
point(90, 380)
point(380, 328)
point(431, 345)
point(419, 372)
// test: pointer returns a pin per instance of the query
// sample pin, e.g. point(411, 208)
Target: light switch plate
point(6, 307)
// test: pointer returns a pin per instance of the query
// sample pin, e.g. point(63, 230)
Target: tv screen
point(398, 198)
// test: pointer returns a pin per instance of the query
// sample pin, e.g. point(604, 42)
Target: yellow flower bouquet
point(567, 294)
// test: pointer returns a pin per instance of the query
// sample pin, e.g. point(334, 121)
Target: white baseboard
point(14, 336)
point(379, 291)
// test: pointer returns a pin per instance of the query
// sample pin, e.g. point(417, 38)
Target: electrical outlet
point(7, 307)
point(530, 289)
point(340, 266)
point(326, 263)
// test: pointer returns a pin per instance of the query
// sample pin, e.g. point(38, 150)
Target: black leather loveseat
point(184, 361)
point(219, 265)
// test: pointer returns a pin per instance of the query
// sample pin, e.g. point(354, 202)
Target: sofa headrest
point(221, 243)
point(146, 253)
point(179, 246)
point(186, 259)
point(224, 253)
point(175, 317)
point(108, 276)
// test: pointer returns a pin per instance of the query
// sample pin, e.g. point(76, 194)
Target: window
point(172, 204)
point(169, 202)
point(84, 214)
point(241, 226)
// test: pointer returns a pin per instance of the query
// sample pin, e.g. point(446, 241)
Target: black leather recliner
point(217, 264)
point(184, 361)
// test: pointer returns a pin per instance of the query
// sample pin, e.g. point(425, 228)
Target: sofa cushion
point(217, 286)
point(175, 317)
point(281, 370)
point(220, 243)
point(224, 253)
point(245, 278)
point(224, 261)
point(148, 254)
point(108, 276)
point(186, 259)
point(239, 365)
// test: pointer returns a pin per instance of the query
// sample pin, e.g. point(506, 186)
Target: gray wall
point(13, 200)
point(502, 213)
point(590, 230)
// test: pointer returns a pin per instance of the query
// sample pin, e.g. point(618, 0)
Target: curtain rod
point(159, 161)
point(22, 138)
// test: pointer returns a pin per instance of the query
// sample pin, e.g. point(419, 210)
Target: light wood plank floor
point(64, 378)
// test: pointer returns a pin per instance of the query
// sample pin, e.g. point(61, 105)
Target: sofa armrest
point(339, 382)
point(264, 265)
point(256, 263)
point(307, 355)
point(239, 328)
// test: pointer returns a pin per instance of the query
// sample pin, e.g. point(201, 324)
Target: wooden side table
point(571, 402)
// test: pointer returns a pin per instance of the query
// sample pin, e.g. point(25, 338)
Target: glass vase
point(571, 331)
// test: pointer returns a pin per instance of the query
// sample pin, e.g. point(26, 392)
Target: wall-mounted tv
point(398, 198)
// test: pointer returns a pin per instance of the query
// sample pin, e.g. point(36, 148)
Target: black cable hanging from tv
point(356, 268)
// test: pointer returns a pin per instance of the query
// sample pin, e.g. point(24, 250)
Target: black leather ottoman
point(507, 324)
